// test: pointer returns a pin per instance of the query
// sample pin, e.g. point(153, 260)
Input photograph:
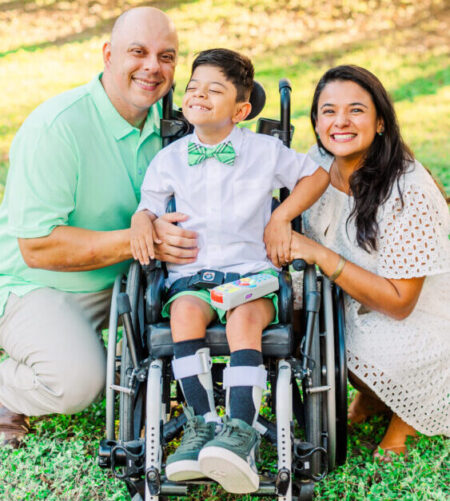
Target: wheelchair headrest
point(257, 100)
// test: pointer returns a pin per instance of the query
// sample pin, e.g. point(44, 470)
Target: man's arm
point(69, 248)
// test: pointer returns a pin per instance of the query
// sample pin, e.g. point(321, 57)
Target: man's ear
point(106, 53)
point(242, 112)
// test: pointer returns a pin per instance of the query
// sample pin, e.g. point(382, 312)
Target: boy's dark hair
point(238, 69)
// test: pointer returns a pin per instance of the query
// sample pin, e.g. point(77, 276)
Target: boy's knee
point(256, 313)
point(187, 307)
point(245, 315)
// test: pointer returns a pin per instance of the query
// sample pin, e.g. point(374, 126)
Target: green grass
point(48, 46)
point(58, 462)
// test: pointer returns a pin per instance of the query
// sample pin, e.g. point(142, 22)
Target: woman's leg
point(365, 403)
point(395, 437)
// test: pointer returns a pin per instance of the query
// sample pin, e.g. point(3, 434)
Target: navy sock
point(241, 397)
point(194, 392)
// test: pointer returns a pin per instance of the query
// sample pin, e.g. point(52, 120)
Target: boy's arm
point(277, 235)
point(142, 236)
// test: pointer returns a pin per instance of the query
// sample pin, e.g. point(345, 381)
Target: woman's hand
point(304, 248)
point(277, 237)
point(142, 237)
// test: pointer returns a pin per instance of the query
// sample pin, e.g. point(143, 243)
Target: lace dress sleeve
point(413, 237)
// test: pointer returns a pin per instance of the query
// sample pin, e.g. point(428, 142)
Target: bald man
point(76, 167)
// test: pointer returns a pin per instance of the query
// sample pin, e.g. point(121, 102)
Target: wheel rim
point(341, 378)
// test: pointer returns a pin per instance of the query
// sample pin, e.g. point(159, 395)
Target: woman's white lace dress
point(405, 362)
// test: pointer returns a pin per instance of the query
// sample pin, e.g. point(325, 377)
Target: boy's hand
point(277, 237)
point(143, 236)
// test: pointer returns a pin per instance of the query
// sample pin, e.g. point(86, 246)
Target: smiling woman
point(380, 231)
point(347, 120)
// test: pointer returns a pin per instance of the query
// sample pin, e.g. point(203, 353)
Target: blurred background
point(48, 46)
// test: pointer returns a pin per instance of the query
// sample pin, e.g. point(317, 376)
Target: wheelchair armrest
point(154, 294)
point(285, 299)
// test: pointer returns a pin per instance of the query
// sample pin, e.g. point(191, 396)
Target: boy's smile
point(210, 104)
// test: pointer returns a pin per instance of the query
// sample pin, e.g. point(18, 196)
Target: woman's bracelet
point(338, 270)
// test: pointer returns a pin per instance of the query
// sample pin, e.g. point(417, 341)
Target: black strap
point(203, 279)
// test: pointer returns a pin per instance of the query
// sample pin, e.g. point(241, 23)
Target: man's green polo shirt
point(75, 161)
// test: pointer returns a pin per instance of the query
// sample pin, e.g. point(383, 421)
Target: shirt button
point(139, 171)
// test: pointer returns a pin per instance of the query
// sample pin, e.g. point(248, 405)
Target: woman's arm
point(393, 297)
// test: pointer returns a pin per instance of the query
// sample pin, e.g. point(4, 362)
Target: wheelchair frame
point(317, 363)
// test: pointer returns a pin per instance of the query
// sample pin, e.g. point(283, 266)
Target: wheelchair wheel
point(341, 376)
point(131, 406)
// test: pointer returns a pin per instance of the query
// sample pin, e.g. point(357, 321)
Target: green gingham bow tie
point(224, 152)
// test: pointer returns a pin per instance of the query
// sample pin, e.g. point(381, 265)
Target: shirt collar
point(235, 137)
point(116, 123)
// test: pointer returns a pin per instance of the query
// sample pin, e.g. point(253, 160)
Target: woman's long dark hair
point(384, 163)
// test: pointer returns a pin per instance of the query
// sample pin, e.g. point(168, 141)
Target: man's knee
point(58, 360)
point(76, 386)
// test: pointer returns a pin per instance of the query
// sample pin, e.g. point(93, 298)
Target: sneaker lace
point(195, 434)
point(234, 434)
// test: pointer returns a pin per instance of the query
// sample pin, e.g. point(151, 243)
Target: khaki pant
point(56, 356)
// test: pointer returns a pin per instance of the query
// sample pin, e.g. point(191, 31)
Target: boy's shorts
point(221, 314)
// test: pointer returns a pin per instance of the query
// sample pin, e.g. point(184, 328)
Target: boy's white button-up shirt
point(228, 206)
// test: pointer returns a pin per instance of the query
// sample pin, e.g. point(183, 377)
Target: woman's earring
point(380, 133)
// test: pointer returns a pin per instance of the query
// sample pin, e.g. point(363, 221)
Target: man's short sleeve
point(42, 181)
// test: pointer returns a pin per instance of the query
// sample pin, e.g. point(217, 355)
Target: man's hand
point(178, 246)
point(277, 237)
point(142, 237)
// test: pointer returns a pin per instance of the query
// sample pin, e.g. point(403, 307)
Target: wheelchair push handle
point(284, 83)
point(285, 110)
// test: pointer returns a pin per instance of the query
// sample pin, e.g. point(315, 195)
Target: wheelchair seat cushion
point(277, 340)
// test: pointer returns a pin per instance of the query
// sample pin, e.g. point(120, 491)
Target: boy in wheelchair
point(222, 177)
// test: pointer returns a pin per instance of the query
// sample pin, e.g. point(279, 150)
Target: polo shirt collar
point(116, 123)
point(235, 137)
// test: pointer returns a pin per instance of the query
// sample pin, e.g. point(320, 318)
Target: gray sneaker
point(229, 458)
point(183, 463)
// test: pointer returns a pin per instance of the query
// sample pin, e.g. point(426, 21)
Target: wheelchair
point(306, 366)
